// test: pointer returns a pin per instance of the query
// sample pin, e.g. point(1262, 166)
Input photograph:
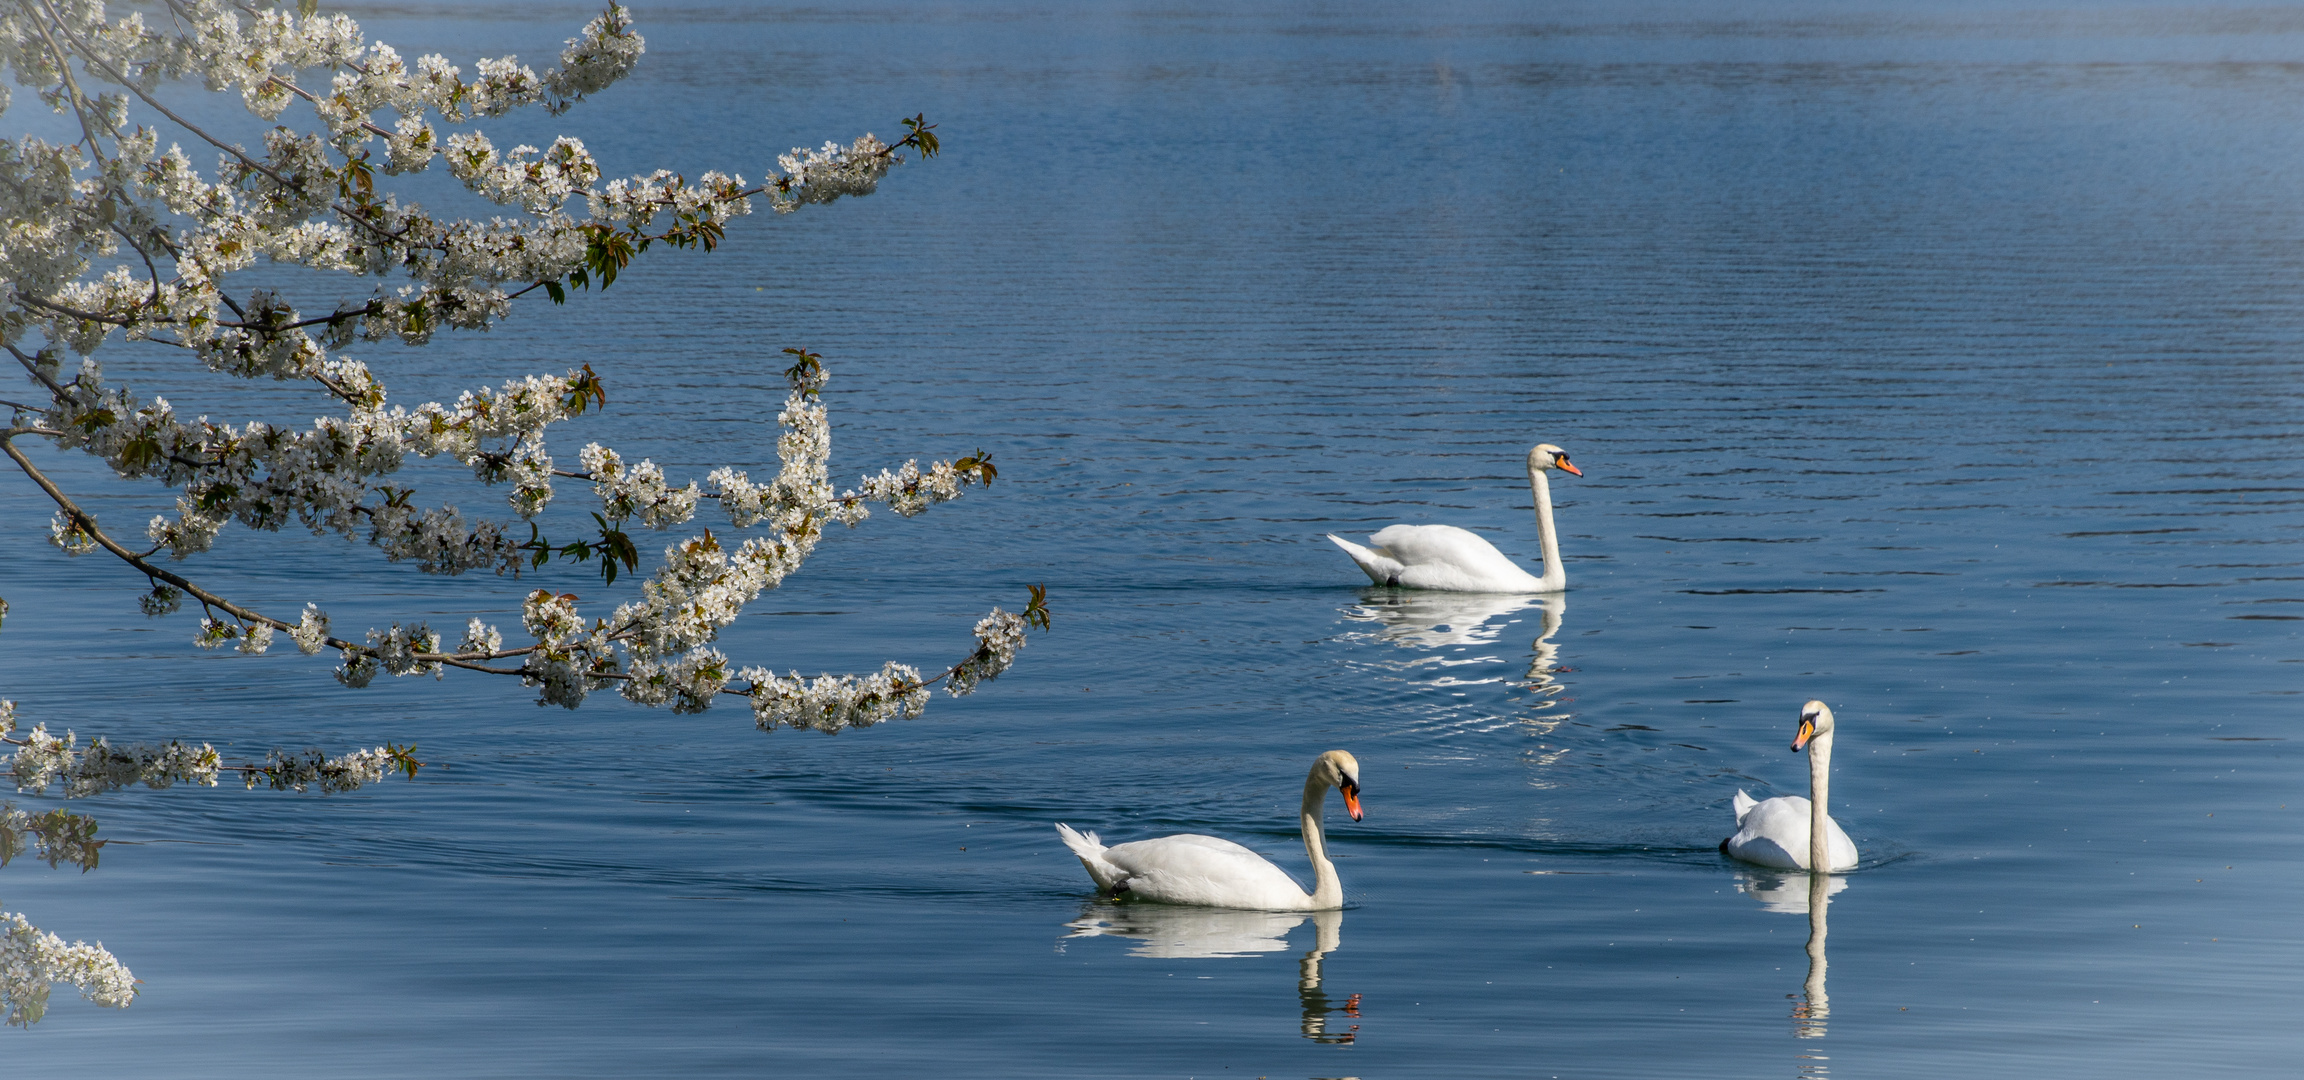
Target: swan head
point(1548, 456)
point(1341, 770)
point(1815, 720)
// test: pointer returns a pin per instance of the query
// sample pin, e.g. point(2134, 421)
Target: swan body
point(1790, 832)
point(1211, 872)
point(1774, 832)
point(1455, 560)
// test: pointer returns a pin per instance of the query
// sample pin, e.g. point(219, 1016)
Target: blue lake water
point(1939, 361)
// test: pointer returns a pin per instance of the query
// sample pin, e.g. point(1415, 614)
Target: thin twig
point(87, 524)
point(64, 69)
point(53, 386)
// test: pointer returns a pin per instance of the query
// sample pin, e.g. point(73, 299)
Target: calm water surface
point(1937, 361)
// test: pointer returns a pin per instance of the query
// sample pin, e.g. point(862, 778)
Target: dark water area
point(1938, 361)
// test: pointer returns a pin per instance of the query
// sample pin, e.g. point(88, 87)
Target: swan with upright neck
point(1456, 560)
point(1789, 832)
point(1192, 869)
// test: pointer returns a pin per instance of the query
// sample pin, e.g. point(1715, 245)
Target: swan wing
point(1774, 832)
point(1192, 869)
point(1446, 557)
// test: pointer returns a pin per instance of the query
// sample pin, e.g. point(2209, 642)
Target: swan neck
point(1819, 795)
point(1540, 489)
point(1326, 890)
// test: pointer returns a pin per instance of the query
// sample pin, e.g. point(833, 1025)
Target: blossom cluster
point(998, 636)
point(828, 172)
point(309, 199)
point(42, 759)
point(687, 683)
point(311, 768)
point(33, 962)
point(122, 236)
point(58, 836)
point(45, 759)
point(628, 490)
point(397, 649)
point(830, 703)
point(910, 492)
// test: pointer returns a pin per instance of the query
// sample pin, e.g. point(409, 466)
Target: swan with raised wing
point(1456, 560)
point(1192, 869)
point(1789, 832)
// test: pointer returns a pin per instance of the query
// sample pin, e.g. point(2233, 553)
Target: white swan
point(1191, 869)
point(1789, 832)
point(1449, 558)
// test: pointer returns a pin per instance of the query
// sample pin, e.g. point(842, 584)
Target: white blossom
point(687, 684)
point(638, 490)
point(66, 533)
point(552, 619)
point(214, 632)
point(397, 647)
point(567, 671)
point(311, 632)
point(828, 172)
point(357, 670)
point(594, 60)
point(117, 239)
point(45, 759)
point(42, 758)
point(831, 703)
point(299, 772)
point(481, 638)
point(998, 636)
point(33, 961)
point(256, 638)
point(530, 470)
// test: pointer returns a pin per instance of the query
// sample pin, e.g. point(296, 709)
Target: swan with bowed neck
point(1455, 560)
point(1192, 869)
point(1789, 832)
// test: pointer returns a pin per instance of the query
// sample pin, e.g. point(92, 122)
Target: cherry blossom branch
point(43, 759)
point(64, 73)
point(86, 525)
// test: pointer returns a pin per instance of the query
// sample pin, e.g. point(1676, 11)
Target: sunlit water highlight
point(1938, 362)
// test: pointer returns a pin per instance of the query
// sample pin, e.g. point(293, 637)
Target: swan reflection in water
point(1450, 622)
point(1194, 933)
point(1422, 619)
point(1810, 895)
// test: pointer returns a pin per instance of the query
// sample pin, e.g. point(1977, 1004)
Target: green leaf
point(141, 453)
point(923, 135)
point(1036, 612)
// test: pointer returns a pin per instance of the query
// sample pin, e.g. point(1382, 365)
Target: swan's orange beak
point(1807, 732)
point(1565, 467)
point(1351, 798)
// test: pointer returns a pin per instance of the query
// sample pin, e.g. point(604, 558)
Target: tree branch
point(246, 616)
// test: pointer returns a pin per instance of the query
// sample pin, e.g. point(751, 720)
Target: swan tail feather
point(1089, 848)
point(1377, 563)
point(1744, 805)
